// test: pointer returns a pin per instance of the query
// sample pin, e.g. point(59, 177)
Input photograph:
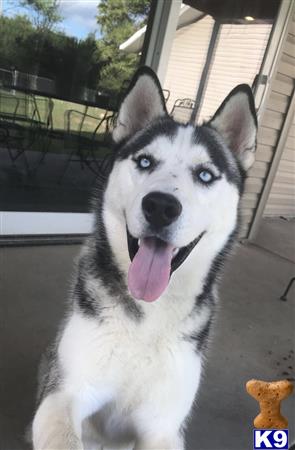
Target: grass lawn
point(68, 121)
point(59, 112)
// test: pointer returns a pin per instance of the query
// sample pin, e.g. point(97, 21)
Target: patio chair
point(283, 297)
point(4, 139)
point(166, 94)
point(88, 148)
point(43, 120)
point(13, 134)
point(182, 109)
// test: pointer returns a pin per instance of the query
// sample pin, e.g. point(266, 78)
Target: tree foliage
point(46, 13)
point(32, 45)
point(118, 20)
point(13, 33)
point(73, 64)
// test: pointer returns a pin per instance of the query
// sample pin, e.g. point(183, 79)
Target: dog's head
point(173, 185)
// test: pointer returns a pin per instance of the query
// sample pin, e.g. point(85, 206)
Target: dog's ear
point(236, 122)
point(143, 103)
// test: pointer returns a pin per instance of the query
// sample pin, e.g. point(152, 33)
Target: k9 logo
point(272, 439)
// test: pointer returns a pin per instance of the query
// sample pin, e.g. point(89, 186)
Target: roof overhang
point(187, 16)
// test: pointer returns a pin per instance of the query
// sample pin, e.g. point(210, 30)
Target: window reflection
point(61, 78)
point(217, 45)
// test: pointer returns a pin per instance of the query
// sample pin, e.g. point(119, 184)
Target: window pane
point(217, 45)
point(62, 75)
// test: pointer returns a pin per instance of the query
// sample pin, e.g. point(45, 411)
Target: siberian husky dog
point(125, 368)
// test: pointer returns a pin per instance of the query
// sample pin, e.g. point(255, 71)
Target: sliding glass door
point(62, 75)
point(63, 71)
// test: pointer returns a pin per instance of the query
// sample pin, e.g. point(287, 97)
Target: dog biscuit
point(269, 396)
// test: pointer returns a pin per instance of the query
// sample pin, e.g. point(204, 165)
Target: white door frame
point(40, 223)
point(162, 36)
point(272, 53)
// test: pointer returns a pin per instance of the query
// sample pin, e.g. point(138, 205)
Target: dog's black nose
point(161, 209)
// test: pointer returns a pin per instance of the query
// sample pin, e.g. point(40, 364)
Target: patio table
point(34, 86)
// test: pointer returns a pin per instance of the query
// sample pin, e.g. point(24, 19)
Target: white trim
point(40, 223)
point(273, 50)
point(135, 42)
point(162, 35)
point(273, 168)
point(168, 37)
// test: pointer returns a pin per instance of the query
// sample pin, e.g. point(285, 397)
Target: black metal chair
point(166, 94)
point(182, 109)
point(14, 136)
point(88, 148)
point(284, 297)
point(43, 129)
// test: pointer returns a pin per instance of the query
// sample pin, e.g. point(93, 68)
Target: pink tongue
point(149, 271)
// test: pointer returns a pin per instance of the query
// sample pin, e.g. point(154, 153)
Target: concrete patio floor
point(254, 335)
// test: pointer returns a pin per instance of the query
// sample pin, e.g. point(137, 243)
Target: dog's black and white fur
point(124, 372)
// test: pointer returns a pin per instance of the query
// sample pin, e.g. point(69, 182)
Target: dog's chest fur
point(130, 361)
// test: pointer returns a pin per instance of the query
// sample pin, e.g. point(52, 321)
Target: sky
point(79, 15)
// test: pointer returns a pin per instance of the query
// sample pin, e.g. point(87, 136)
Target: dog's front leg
point(55, 426)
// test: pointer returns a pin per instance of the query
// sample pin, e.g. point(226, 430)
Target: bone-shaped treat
point(269, 395)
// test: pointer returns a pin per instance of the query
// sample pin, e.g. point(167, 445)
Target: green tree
point(118, 20)
point(14, 32)
point(46, 13)
point(73, 64)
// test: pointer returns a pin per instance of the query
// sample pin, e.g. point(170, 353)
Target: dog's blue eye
point(205, 176)
point(144, 162)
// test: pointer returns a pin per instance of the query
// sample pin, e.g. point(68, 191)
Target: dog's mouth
point(152, 263)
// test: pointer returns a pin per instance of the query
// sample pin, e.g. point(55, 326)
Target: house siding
point(237, 59)
point(281, 200)
point(187, 59)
